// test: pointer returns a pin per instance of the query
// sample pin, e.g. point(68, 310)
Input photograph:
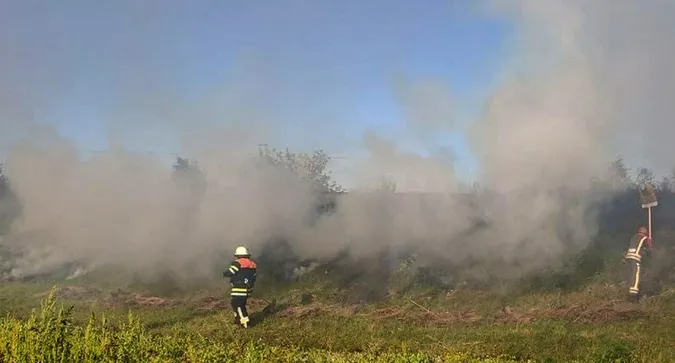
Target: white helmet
point(241, 251)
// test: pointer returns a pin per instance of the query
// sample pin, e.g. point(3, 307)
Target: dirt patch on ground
point(318, 309)
point(601, 313)
point(127, 298)
point(432, 317)
point(121, 297)
point(455, 317)
point(389, 313)
point(74, 293)
point(302, 311)
point(211, 303)
point(206, 303)
point(596, 314)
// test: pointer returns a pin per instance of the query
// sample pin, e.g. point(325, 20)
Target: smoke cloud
point(589, 81)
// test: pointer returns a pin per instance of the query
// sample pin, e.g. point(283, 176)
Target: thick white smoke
point(589, 81)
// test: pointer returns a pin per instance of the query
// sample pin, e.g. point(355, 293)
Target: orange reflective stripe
point(246, 263)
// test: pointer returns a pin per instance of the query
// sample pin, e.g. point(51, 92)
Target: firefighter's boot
point(243, 319)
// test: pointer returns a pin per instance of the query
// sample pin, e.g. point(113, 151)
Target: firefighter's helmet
point(241, 251)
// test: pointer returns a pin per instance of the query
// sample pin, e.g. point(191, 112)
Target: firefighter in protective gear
point(242, 274)
point(641, 242)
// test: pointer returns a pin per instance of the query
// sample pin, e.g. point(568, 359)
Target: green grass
point(51, 335)
point(591, 325)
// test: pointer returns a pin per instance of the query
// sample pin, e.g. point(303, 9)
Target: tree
point(308, 167)
point(181, 165)
point(668, 182)
point(619, 174)
point(643, 177)
point(9, 204)
point(189, 172)
point(665, 184)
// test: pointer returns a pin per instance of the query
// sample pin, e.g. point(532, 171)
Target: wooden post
point(649, 211)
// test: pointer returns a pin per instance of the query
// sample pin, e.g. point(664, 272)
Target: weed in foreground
point(50, 336)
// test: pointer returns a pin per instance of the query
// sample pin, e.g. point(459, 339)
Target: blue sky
point(315, 65)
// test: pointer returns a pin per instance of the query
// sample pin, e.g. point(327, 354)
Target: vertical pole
point(650, 221)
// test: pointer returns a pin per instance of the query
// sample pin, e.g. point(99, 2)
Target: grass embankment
point(593, 325)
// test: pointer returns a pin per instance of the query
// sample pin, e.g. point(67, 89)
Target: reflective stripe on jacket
point(635, 247)
point(242, 274)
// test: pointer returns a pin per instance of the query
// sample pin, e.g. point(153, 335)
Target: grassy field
point(309, 322)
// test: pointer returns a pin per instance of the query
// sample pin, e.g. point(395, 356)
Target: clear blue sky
point(322, 64)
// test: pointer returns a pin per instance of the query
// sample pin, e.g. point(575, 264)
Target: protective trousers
point(240, 312)
point(635, 274)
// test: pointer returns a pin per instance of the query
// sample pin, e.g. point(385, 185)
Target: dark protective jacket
point(638, 244)
point(242, 274)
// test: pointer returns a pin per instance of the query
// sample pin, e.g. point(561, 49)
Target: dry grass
point(554, 326)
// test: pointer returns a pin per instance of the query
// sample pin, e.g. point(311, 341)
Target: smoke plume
point(588, 81)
